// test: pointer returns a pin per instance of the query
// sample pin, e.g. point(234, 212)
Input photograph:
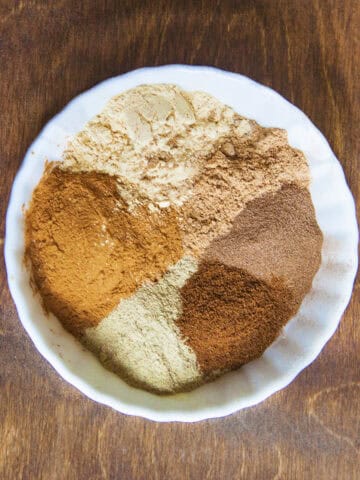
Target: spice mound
point(176, 238)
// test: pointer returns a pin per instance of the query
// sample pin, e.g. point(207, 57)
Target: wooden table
point(308, 50)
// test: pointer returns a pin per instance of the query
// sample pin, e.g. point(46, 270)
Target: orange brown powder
point(86, 251)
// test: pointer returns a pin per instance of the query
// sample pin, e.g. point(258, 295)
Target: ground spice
point(139, 339)
point(86, 251)
point(230, 317)
point(275, 235)
point(154, 136)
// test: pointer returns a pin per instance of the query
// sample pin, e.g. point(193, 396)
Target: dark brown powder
point(86, 251)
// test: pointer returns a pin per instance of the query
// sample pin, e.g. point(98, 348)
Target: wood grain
point(308, 50)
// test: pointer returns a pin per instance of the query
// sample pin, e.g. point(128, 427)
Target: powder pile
point(237, 314)
point(176, 238)
point(275, 235)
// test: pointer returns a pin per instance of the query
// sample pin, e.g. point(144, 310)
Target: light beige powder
point(140, 341)
point(156, 137)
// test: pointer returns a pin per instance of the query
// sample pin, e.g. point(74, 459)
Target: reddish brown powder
point(230, 317)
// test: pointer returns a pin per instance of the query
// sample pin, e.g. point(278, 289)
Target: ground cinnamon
point(230, 317)
point(86, 251)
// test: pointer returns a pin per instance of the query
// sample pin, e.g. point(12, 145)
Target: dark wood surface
point(308, 50)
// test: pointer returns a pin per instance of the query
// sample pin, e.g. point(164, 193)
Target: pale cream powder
point(155, 137)
point(140, 341)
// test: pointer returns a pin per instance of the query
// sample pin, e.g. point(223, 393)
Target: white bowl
point(302, 338)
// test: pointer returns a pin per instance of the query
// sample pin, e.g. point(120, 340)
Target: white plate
point(303, 337)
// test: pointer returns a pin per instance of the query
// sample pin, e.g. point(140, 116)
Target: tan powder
point(248, 165)
point(85, 250)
